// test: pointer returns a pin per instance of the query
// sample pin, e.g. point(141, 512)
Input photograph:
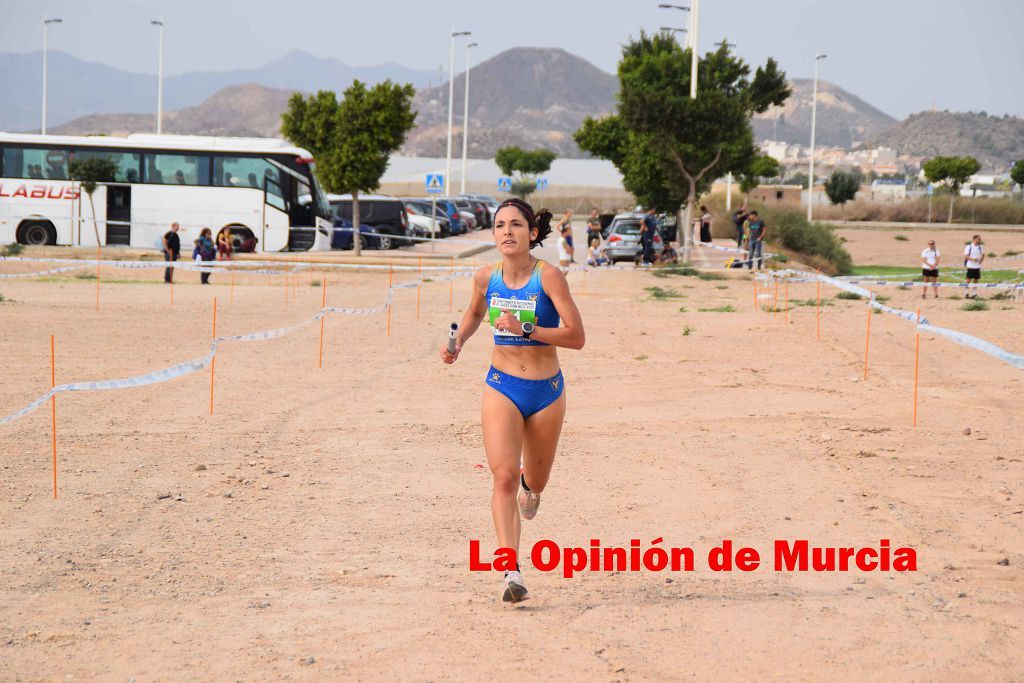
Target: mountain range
point(531, 97)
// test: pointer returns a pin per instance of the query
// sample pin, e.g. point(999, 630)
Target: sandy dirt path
point(317, 525)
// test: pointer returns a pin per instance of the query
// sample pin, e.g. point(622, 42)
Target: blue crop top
point(529, 303)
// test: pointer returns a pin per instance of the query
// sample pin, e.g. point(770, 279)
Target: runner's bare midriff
point(528, 362)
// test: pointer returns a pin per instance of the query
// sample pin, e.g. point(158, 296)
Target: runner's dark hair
point(541, 220)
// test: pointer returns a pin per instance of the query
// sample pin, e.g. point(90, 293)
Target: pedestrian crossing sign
point(505, 184)
point(435, 183)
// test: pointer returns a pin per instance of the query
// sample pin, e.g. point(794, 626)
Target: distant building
point(888, 189)
point(776, 194)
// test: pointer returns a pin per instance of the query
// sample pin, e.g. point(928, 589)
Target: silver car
point(623, 243)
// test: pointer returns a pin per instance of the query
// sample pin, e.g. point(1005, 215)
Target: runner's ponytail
point(543, 227)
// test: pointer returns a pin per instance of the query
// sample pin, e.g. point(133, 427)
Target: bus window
point(29, 162)
point(127, 162)
point(248, 172)
point(176, 169)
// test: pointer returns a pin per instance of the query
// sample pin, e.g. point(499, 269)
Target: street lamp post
point(46, 22)
point(665, 5)
point(465, 121)
point(160, 79)
point(814, 116)
point(451, 98)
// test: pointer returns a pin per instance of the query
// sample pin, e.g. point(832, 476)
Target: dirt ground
point(880, 247)
point(317, 526)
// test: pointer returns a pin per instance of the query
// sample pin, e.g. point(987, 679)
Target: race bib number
point(523, 309)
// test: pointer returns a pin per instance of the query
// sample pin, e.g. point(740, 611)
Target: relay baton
point(451, 337)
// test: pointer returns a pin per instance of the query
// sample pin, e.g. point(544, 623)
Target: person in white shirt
point(974, 255)
point(565, 249)
point(930, 269)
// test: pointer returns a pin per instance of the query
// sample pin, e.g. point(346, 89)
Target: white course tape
point(735, 250)
point(975, 343)
point(51, 271)
point(923, 325)
point(238, 265)
point(196, 364)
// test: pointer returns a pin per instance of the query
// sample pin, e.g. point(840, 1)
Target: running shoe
point(528, 503)
point(515, 591)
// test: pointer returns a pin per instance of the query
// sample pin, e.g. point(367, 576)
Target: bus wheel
point(238, 236)
point(37, 233)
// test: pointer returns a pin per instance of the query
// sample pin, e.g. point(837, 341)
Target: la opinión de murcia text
point(796, 555)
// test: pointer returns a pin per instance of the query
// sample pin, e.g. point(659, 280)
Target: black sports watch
point(528, 329)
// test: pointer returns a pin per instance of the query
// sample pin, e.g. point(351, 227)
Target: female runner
point(524, 394)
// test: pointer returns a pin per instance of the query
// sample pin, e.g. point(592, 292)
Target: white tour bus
point(262, 189)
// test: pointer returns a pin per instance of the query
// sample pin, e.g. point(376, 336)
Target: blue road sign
point(504, 184)
point(435, 183)
point(931, 190)
point(542, 183)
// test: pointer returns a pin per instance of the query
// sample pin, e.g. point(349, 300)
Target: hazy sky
point(899, 55)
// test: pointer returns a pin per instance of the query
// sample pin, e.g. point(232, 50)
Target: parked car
point(386, 214)
point(490, 202)
point(452, 211)
point(342, 237)
point(421, 222)
point(479, 209)
point(466, 214)
point(623, 243)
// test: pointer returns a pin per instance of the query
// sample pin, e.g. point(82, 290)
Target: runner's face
point(512, 234)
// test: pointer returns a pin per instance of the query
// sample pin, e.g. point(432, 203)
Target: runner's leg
point(503, 442)
point(540, 444)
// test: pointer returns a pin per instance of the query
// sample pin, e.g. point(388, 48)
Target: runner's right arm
point(473, 316)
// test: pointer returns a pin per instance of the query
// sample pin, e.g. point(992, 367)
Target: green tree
point(761, 167)
point(842, 187)
point(528, 164)
point(669, 147)
point(1017, 175)
point(351, 140)
point(89, 173)
point(953, 171)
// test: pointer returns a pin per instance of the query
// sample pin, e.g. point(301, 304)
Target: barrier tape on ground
point(51, 271)
point(735, 250)
point(923, 325)
point(196, 364)
point(237, 265)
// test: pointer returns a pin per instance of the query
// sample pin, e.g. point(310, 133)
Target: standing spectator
point(930, 268)
point(593, 226)
point(172, 249)
point(224, 244)
point(565, 248)
point(595, 255)
point(974, 254)
point(566, 220)
point(648, 229)
point(739, 217)
point(705, 225)
point(756, 231)
point(207, 252)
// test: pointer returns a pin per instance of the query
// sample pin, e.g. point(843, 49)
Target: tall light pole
point(465, 121)
point(160, 79)
point(46, 22)
point(451, 98)
point(814, 116)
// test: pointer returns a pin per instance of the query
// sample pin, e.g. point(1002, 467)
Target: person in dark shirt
point(739, 217)
point(172, 249)
point(207, 251)
point(648, 229)
point(756, 231)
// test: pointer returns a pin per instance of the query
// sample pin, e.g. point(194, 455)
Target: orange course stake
point(451, 286)
point(232, 266)
point(53, 413)
point(755, 296)
point(867, 341)
point(775, 300)
point(172, 291)
point(917, 357)
point(819, 310)
point(419, 260)
point(323, 305)
point(213, 361)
